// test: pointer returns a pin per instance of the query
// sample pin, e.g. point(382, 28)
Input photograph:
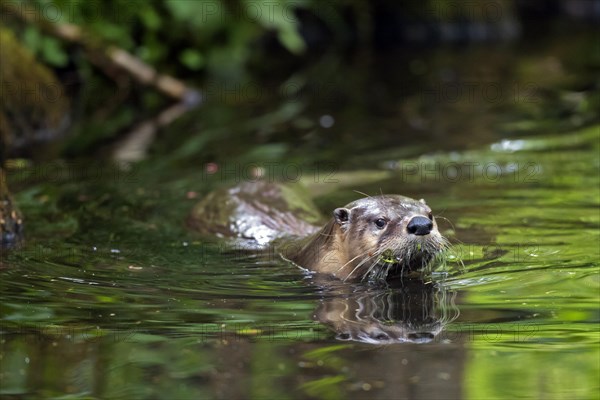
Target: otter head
point(387, 235)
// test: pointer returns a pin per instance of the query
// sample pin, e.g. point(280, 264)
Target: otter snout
point(420, 226)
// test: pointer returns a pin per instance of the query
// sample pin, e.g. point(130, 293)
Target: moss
point(34, 105)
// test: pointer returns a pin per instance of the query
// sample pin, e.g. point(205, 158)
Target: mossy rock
point(34, 105)
point(34, 109)
point(11, 220)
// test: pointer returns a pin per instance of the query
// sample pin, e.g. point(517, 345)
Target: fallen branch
point(134, 145)
point(106, 54)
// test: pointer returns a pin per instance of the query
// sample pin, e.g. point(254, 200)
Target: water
point(112, 297)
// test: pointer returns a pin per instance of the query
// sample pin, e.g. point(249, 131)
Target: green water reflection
point(112, 297)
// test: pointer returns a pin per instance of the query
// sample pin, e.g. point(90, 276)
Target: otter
point(373, 238)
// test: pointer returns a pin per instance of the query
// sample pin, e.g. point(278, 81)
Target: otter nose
point(419, 226)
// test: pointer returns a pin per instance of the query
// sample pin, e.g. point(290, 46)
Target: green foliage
point(215, 35)
point(47, 48)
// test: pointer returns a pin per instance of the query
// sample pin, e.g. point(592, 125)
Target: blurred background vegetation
point(57, 84)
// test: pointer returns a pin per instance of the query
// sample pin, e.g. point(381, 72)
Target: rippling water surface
point(110, 295)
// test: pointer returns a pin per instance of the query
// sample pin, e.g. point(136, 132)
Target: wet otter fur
point(373, 238)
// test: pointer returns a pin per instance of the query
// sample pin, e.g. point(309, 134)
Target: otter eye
point(430, 215)
point(380, 223)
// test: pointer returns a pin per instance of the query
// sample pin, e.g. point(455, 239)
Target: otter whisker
point(382, 273)
point(360, 255)
point(376, 274)
point(377, 255)
point(369, 270)
point(326, 234)
point(363, 193)
point(355, 268)
point(359, 265)
point(446, 219)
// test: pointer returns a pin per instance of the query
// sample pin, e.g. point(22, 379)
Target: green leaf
point(150, 18)
point(192, 59)
point(53, 52)
point(32, 39)
point(292, 40)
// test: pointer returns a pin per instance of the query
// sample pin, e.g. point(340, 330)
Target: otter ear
point(422, 201)
point(341, 215)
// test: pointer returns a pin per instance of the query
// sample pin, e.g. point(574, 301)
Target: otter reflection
point(412, 311)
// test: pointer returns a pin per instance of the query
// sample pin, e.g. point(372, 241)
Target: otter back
point(256, 211)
